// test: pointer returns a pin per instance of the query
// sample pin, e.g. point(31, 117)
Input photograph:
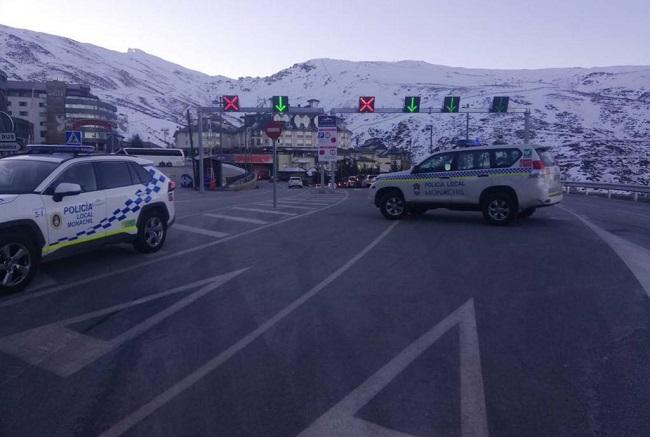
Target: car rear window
point(545, 155)
point(139, 173)
point(505, 157)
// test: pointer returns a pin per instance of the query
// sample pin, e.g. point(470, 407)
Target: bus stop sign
point(274, 129)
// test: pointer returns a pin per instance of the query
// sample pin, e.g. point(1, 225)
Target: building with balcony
point(28, 101)
point(53, 107)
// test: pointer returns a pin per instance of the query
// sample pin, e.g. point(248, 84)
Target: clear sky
point(260, 37)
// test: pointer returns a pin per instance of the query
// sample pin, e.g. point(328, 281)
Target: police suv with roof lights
point(58, 199)
point(504, 182)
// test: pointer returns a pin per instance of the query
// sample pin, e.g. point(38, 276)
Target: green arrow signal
point(452, 107)
point(280, 106)
point(412, 106)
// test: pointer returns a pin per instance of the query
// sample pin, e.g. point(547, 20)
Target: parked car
point(295, 182)
point(504, 182)
point(352, 182)
point(58, 200)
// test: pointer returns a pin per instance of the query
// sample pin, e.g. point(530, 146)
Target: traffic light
point(451, 104)
point(280, 104)
point(500, 104)
point(411, 104)
point(230, 103)
point(367, 104)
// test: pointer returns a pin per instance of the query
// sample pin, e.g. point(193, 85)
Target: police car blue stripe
point(131, 205)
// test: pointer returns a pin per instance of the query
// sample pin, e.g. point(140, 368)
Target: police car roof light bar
point(43, 148)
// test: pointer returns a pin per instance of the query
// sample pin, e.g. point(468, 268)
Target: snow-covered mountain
point(598, 119)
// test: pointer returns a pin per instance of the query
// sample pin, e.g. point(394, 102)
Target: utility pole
point(467, 127)
point(201, 169)
point(527, 126)
point(220, 104)
point(430, 126)
point(189, 129)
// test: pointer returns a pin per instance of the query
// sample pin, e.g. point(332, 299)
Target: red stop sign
point(274, 129)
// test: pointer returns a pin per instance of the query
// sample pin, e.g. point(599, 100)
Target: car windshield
point(22, 176)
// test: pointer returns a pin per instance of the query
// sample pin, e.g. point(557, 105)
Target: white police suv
point(504, 182)
point(55, 200)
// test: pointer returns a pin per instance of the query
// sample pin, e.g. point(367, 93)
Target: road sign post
point(274, 130)
point(327, 144)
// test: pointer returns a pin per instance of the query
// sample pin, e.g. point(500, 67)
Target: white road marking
point(252, 200)
point(187, 382)
point(237, 218)
point(155, 259)
point(265, 211)
point(306, 208)
point(303, 202)
point(200, 231)
point(637, 258)
point(340, 420)
point(62, 351)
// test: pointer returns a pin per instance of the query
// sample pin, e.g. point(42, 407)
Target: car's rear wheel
point(499, 209)
point(152, 234)
point(526, 213)
point(19, 261)
point(392, 205)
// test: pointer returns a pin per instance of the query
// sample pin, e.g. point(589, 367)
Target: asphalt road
point(321, 318)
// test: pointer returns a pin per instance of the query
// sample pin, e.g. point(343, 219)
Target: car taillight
point(538, 165)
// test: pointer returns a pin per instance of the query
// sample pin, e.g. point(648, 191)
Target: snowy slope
point(598, 119)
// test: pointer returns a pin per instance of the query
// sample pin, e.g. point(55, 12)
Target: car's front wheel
point(18, 262)
point(152, 233)
point(392, 205)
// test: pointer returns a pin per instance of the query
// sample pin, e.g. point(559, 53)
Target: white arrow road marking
point(64, 352)
point(214, 363)
point(637, 258)
point(340, 420)
point(157, 259)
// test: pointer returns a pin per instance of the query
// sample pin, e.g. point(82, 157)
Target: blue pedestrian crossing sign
point(73, 137)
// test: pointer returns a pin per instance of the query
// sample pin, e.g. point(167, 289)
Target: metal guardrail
point(634, 189)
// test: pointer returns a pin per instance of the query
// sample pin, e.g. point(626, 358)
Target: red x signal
point(231, 103)
point(367, 104)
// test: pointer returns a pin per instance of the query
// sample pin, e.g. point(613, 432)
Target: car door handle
point(483, 175)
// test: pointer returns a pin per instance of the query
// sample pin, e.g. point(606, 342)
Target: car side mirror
point(65, 189)
point(415, 169)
